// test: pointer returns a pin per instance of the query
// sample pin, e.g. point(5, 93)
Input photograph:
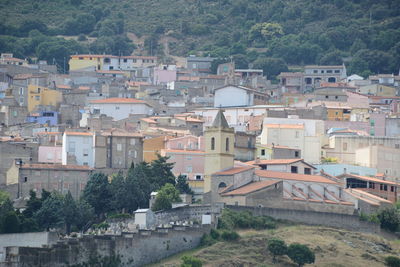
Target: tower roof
point(220, 120)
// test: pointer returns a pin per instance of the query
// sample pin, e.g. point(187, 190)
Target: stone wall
point(37, 240)
point(187, 213)
point(344, 221)
point(133, 249)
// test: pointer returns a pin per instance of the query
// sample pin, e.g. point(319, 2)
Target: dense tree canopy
point(297, 32)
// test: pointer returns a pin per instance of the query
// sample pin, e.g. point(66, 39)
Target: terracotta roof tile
point(234, 170)
point(273, 161)
point(249, 188)
point(366, 178)
point(293, 176)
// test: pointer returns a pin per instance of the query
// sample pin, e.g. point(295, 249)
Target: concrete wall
point(36, 240)
point(134, 249)
point(349, 222)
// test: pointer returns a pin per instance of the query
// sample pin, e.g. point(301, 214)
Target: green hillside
point(365, 34)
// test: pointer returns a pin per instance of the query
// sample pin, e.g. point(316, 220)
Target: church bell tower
point(219, 139)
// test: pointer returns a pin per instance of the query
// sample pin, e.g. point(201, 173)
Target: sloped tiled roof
point(251, 187)
point(293, 176)
point(234, 170)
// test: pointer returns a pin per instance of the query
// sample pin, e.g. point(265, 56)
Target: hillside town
point(313, 140)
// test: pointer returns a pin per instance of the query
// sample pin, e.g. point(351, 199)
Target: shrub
point(190, 261)
point(229, 235)
point(214, 234)
point(230, 220)
point(207, 240)
point(277, 247)
point(300, 254)
point(392, 261)
point(390, 219)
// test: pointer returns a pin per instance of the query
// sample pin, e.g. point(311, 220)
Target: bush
point(207, 240)
point(229, 235)
point(190, 261)
point(390, 219)
point(277, 247)
point(214, 234)
point(230, 220)
point(300, 254)
point(392, 261)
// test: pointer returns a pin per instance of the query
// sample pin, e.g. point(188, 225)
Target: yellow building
point(378, 90)
point(39, 95)
point(338, 113)
point(96, 62)
point(219, 142)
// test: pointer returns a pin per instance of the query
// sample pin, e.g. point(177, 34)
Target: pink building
point(164, 75)
point(50, 154)
point(187, 142)
point(189, 163)
point(187, 153)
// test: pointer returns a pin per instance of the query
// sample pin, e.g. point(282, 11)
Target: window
point(262, 152)
point(337, 71)
point(326, 97)
point(85, 152)
point(372, 185)
point(293, 169)
point(125, 60)
point(344, 146)
point(336, 97)
point(329, 71)
point(227, 144)
point(199, 177)
point(116, 108)
point(315, 71)
point(307, 170)
point(85, 164)
point(385, 187)
point(296, 154)
point(322, 71)
point(297, 134)
point(21, 91)
point(392, 189)
point(135, 154)
point(25, 179)
point(397, 146)
point(119, 147)
point(381, 187)
point(212, 143)
point(37, 97)
point(133, 141)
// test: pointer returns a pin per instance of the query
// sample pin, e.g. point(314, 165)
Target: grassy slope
point(332, 247)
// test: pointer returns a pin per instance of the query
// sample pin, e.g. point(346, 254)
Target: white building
point(120, 108)
point(303, 134)
point(237, 96)
point(237, 117)
point(78, 148)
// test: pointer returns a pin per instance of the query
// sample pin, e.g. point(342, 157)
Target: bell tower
point(219, 139)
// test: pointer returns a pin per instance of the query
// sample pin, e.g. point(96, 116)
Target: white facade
point(308, 138)
point(233, 96)
point(237, 117)
point(78, 147)
point(120, 108)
